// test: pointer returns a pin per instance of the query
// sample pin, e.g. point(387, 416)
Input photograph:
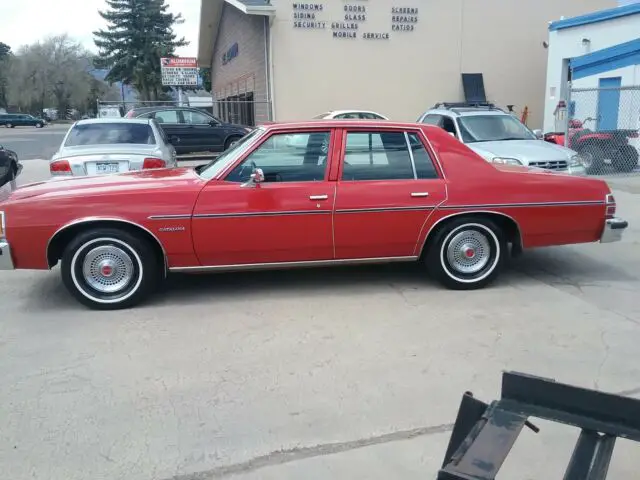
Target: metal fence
point(603, 127)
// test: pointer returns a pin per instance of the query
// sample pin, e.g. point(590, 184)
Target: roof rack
point(457, 105)
point(484, 433)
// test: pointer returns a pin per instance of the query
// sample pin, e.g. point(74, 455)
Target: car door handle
point(420, 194)
point(318, 197)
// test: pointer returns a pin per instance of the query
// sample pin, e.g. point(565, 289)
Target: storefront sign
point(375, 36)
point(305, 16)
point(355, 13)
point(230, 54)
point(403, 19)
point(317, 25)
point(179, 71)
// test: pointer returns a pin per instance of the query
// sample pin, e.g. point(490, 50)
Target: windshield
point(110, 134)
point(207, 172)
point(490, 128)
point(322, 115)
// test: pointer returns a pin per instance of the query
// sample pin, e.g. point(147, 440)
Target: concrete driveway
point(344, 373)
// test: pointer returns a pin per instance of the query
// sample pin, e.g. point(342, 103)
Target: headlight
point(2, 226)
point(576, 160)
point(508, 161)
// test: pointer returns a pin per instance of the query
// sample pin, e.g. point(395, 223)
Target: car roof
point(160, 108)
point(465, 111)
point(346, 123)
point(353, 110)
point(89, 121)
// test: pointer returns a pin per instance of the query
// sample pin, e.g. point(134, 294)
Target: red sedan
point(301, 195)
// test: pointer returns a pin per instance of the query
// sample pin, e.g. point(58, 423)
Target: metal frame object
point(484, 434)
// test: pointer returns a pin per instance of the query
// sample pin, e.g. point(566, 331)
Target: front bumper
point(6, 262)
point(613, 230)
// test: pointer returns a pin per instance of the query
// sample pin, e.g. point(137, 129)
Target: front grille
point(551, 164)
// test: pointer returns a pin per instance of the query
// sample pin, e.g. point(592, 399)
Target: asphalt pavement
point(33, 143)
point(333, 373)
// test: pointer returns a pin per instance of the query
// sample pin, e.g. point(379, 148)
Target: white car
point(297, 141)
point(350, 114)
point(112, 145)
point(499, 137)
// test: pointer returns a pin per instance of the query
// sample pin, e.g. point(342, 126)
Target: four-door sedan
point(12, 120)
point(112, 145)
point(192, 130)
point(413, 193)
point(499, 137)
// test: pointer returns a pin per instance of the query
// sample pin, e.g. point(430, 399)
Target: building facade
point(599, 54)
point(289, 60)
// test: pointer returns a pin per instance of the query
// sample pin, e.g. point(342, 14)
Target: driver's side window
point(448, 125)
point(296, 157)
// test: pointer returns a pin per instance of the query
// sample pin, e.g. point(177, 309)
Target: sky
point(26, 21)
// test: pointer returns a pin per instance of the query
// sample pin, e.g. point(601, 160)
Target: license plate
point(107, 168)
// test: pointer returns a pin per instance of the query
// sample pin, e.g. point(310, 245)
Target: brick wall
point(244, 73)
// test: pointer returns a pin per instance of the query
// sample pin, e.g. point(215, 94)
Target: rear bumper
point(6, 262)
point(613, 230)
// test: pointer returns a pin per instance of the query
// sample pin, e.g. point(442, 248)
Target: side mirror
point(452, 134)
point(538, 133)
point(213, 123)
point(256, 178)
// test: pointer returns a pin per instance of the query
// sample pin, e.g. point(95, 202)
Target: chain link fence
point(603, 127)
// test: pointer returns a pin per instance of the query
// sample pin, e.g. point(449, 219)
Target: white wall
point(567, 43)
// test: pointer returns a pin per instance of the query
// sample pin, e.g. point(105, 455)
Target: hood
point(76, 186)
point(525, 151)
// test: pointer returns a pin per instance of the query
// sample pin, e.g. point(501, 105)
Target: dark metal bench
point(484, 433)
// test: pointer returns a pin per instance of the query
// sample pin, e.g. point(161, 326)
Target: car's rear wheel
point(467, 253)
point(230, 141)
point(110, 269)
point(9, 125)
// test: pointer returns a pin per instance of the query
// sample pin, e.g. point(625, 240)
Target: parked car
point(10, 166)
point(499, 137)
point(423, 196)
point(12, 120)
point(192, 130)
point(600, 147)
point(350, 115)
point(112, 145)
point(294, 141)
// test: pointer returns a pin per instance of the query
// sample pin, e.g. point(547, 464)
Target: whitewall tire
point(109, 269)
point(467, 253)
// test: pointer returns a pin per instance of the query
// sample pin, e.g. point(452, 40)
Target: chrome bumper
point(6, 262)
point(613, 230)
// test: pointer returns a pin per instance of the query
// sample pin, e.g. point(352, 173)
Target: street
point(33, 143)
point(314, 374)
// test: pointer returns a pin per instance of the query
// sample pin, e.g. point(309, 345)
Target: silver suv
point(499, 137)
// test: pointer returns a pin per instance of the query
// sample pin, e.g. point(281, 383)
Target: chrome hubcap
point(469, 252)
point(108, 269)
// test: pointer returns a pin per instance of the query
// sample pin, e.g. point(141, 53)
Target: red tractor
point(599, 148)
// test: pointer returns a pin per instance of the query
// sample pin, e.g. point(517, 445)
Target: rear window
point(110, 134)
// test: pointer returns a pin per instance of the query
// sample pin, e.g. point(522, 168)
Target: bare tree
point(54, 72)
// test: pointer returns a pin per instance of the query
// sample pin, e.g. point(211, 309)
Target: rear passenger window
point(377, 156)
point(423, 161)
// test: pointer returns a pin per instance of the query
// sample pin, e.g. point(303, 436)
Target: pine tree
point(139, 33)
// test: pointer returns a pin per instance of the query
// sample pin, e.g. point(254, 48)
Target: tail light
point(153, 163)
point(60, 167)
point(129, 114)
point(610, 201)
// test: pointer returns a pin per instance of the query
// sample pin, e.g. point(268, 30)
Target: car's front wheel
point(110, 269)
point(9, 125)
point(39, 125)
point(467, 253)
point(230, 142)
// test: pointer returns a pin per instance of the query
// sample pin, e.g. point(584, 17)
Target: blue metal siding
point(606, 60)
point(595, 17)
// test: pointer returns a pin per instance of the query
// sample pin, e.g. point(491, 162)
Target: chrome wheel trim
point(119, 244)
point(488, 265)
point(107, 269)
point(468, 251)
point(587, 159)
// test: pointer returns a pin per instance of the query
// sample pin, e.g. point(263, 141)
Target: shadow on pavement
point(551, 265)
